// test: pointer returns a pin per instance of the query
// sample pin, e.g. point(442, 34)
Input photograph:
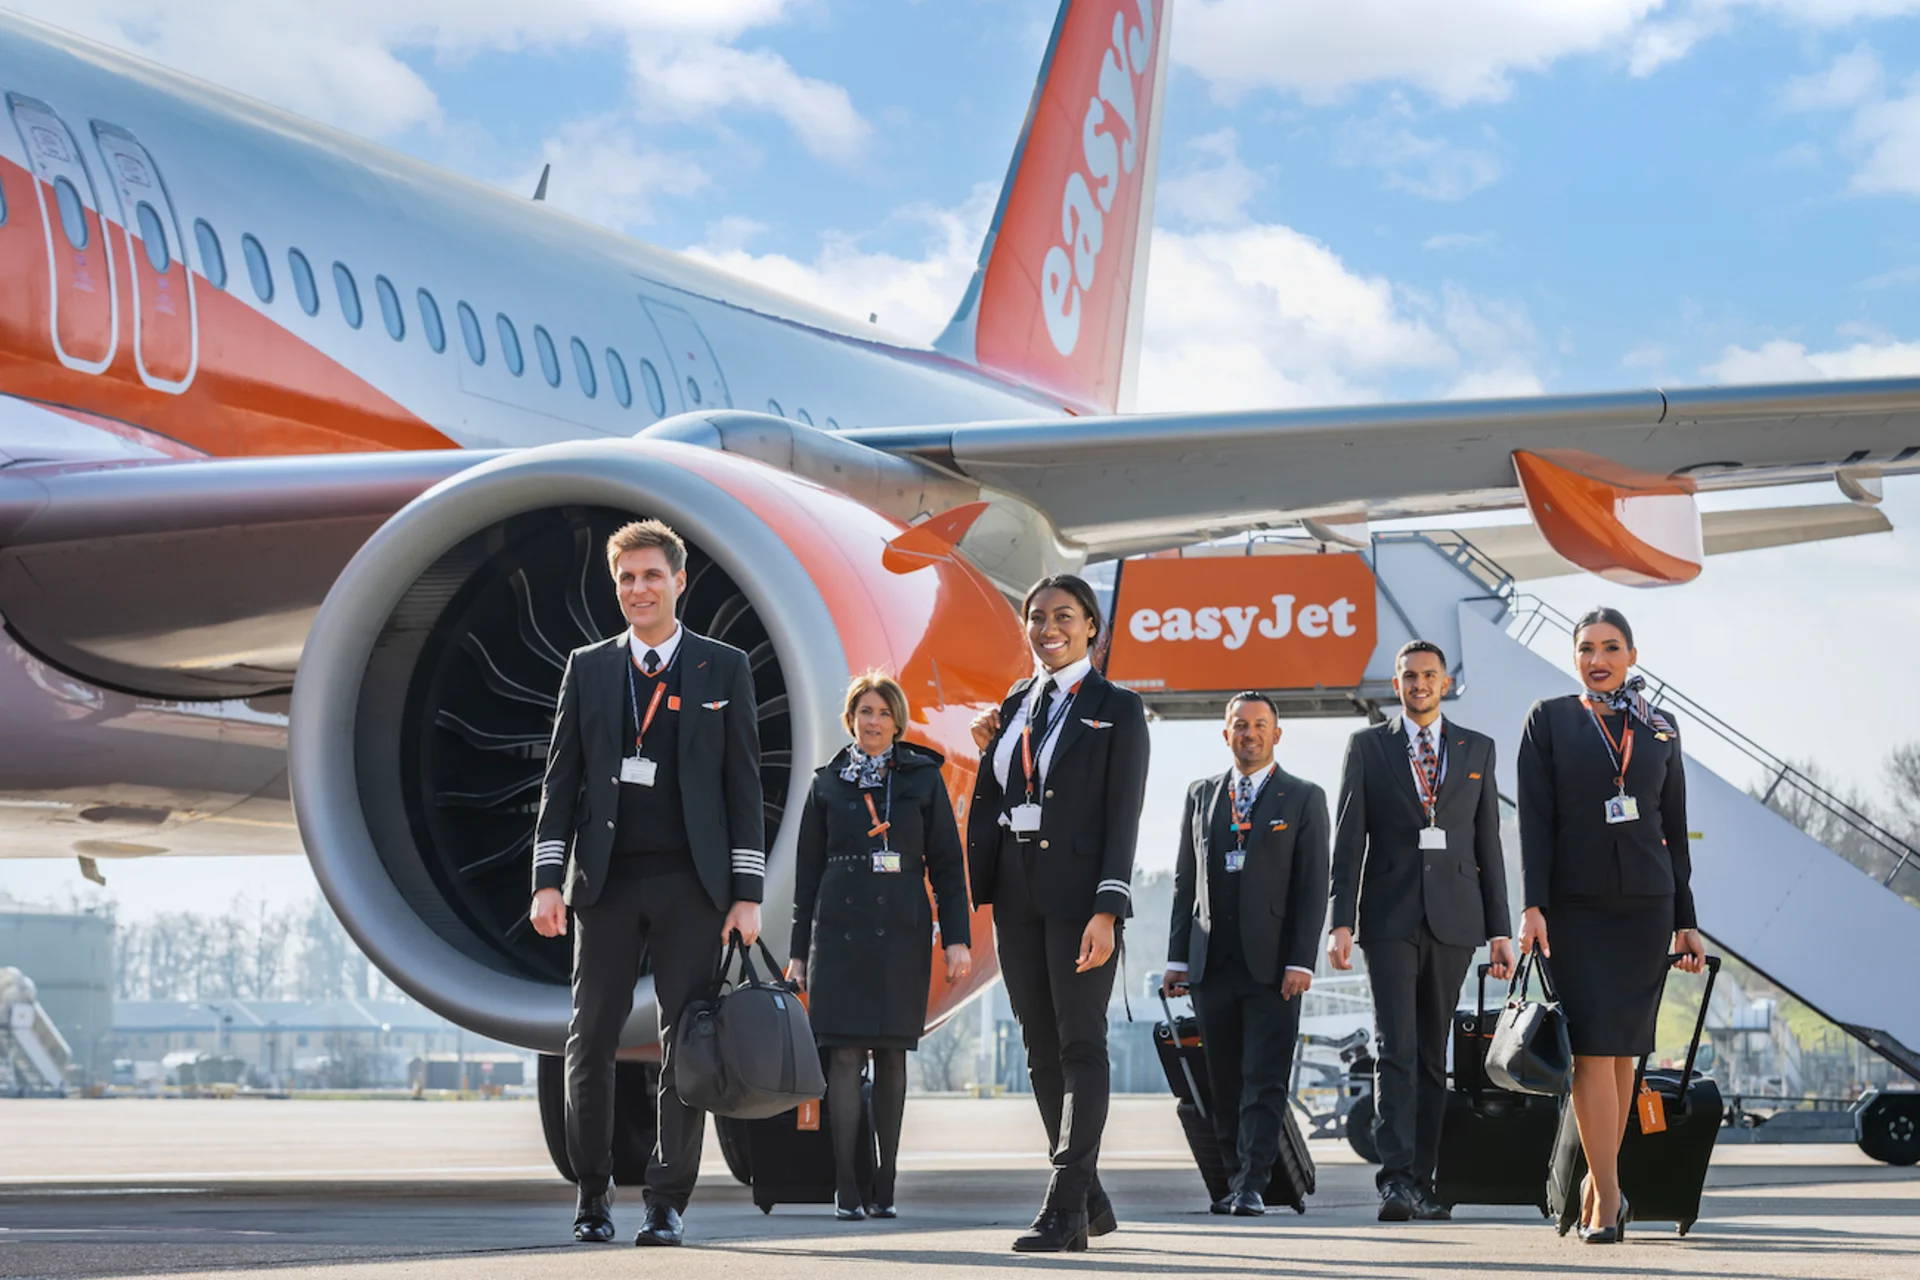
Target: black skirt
point(1609, 966)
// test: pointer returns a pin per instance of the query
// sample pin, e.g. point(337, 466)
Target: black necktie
point(651, 663)
point(1041, 714)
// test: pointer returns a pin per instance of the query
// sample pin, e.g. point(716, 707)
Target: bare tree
point(945, 1055)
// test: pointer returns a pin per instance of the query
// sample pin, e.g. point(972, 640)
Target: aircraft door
point(166, 336)
point(696, 370)
point(83, 304)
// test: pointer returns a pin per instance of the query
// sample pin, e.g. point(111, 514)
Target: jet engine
point(425, 694)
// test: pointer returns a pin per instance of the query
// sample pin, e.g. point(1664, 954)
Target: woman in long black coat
point(878, 825)
point(1603, 838)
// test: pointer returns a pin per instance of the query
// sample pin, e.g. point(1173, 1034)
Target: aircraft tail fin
point(1057, 297)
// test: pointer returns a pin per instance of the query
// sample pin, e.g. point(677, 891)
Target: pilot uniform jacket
point(1570, 852)
point(1283, 883)
point(1383, 881)
point(866, 935)
point(719, 763)
point(1090, 798)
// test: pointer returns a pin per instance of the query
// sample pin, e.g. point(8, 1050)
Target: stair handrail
point(1530, 613)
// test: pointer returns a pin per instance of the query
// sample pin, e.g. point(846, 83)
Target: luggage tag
point(638, 770)
point(1653, 1110)
point(1024, 819)
point(886, 861)
point(1433, 838)
point(1623, 808)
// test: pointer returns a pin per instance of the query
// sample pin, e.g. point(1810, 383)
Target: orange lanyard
point(659, 692)
point(1026, 734)
point(1620, 752)
point(880, 826)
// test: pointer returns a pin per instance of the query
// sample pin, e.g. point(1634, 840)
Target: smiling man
point(650, 821)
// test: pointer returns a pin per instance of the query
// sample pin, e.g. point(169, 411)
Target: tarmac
point(383, 1190)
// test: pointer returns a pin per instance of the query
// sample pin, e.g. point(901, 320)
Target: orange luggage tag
point(1653, 1110)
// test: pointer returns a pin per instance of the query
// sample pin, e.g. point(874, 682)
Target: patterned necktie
point(1242, 799)
point(651, 663)
point(1429, 762)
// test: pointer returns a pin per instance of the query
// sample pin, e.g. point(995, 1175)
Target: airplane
point(307, 449)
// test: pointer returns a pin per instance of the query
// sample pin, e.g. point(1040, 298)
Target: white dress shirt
point(1068, 677)
point(1259, 781)
point(665, 649)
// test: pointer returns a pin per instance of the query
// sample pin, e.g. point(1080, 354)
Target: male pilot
point(650, 817)
point(1417, 865)
point(1249, 890)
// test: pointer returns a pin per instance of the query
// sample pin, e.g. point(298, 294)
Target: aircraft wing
point(1117, 485)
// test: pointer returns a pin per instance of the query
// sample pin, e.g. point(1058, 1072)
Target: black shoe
point(1396, 1202)
point(593, 1220)
point(882, 1210)
point(1056, 1231)
point(662, 1225)
point(1100, 1219)
point(1247, 1204)
point(1223, 1206)
point(1427, 1208)
point(854, 1214)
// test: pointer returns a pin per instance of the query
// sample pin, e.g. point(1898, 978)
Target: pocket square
point(1473, 777)
point(1278, 824)
point(715, 706)
point(1096, 724)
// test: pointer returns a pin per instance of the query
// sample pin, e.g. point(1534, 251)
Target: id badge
point(638, 770)
point(886, 861)
point(1236, 860)
point(1024, 819)
point(1433, 838)
point(1623, 809)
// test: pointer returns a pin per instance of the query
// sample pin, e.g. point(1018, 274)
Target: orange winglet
point(1628, 526)
point(932, 539)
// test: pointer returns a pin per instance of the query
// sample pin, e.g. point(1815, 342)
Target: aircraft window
point(303, 285)
point(470, 330)
point(583, 368)
point(549, 358)
point(213, 261)
point(804, 416)
point(259, 270)
point(617, 376)
point(430, 322)
point(396, 319)
point(349, 294)
point(154, 237)
point(773, 407)
point(656, 394)
point(73, 214)
point(510, 345)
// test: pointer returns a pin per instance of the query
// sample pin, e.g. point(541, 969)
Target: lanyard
point(633, 696)
point(1048, 730)
point(1429, 788)
point(1243, 822)
point(1619, 753)
point(881, 825)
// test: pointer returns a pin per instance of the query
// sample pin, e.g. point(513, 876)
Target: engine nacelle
point(424, 699)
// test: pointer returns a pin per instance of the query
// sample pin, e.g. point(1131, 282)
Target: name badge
point(1024, 819)
point(1623, 809)
point(886, 861)
point(1236, 860)
point(638, 770)
point(1433, 838)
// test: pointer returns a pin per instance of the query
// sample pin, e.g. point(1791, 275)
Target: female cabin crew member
point(1603, 838)
point(877, 826)
point(1050, 843)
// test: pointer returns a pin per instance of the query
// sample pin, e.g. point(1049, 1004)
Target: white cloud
point(697, 80)
point(1780, 360)
point(603, 173)
point(1458, 240)
point(1847, 81)
point(1426, 166)
point(1212, 186)
point(1882, 134)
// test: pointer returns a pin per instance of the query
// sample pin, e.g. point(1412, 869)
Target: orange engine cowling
point(424, 699)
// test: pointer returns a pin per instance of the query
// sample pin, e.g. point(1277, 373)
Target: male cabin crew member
point(650, 820)
point(1249, 890)
point(1417, 867)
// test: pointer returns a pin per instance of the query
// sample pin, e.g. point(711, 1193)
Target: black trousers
point(671, 917)
point(1416, 984)
point(1248, 1032)
point(1063, 1022)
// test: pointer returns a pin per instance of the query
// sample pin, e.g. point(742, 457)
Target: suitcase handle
point(1699, 1028)
point(1173, 1036)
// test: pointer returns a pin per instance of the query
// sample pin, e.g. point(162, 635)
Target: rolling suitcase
point(1663, 1171)
point(1495, 1146)
point(789, 1157)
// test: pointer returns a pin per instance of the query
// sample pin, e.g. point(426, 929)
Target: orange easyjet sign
point(1210, 623)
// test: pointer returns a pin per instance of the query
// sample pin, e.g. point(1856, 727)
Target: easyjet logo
point(1231, 625)
point(1072, 265)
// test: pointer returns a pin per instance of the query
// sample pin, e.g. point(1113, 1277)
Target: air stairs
point(30, 1044)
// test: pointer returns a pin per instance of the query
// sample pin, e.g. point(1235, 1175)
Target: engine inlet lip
point(630, 475)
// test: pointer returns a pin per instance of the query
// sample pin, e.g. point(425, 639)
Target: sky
point(1380, 199)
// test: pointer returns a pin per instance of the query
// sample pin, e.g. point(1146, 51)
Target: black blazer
point(1090, 812)
point(1283, 886)
point(719, 772)
point(1383, 881)
point(867, 936)
point(1568, 850)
